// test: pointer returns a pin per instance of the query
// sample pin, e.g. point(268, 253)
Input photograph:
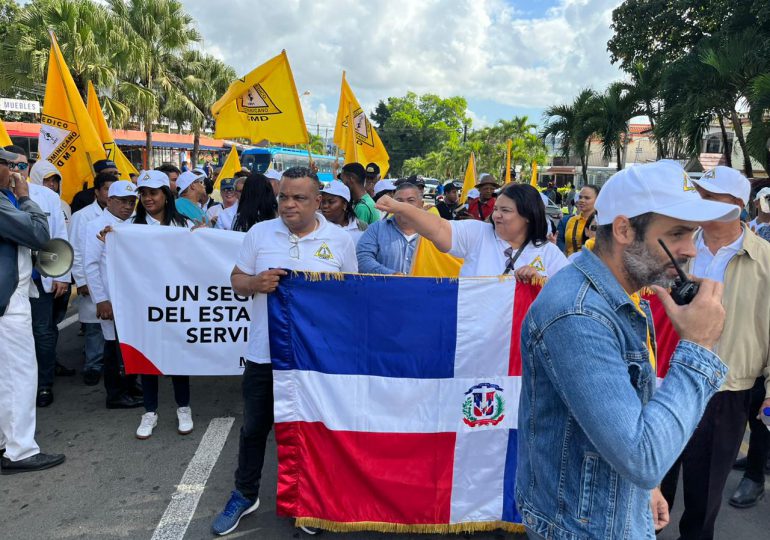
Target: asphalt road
point(114, 486)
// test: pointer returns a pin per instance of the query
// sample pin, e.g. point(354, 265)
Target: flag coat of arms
point(263, 105)
point(406, 423)
point(68, 138)
point(354, 134)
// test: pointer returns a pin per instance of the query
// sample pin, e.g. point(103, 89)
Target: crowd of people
point(588, 343)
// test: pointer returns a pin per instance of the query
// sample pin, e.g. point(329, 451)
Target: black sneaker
point(91, 377)
point(38, 462)
point(62, 371)
point(44, 397)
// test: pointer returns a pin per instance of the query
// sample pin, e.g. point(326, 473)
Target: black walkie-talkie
point(683, 290)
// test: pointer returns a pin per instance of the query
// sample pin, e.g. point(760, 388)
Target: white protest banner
point(175, 311)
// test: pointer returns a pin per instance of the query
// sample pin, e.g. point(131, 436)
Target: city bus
point(259, 159)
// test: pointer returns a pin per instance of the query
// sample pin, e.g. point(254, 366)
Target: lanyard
point(512, 260)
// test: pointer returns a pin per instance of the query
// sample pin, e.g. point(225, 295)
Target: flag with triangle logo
point(263, 105)
point(111, 149)
point(354, 134)
point(5, 139)
point(68, 138)
point(231, 166)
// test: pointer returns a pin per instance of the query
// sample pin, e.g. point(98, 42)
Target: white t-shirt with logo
point(484, 252)
point(327, 249)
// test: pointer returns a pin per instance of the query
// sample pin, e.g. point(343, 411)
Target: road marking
point(173, 525)
point(67, 322)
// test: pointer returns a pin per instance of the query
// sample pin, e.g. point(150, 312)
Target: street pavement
point(113, 486)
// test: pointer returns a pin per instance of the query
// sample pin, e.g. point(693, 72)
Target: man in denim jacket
point(595, 437)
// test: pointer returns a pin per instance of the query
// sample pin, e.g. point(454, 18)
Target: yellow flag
point(533, 182)
point(108, 142)
point(508, 163)
point(428, 261)
point(231, 166)
point(354, 134)
point(68, 138)
point(263, 105)
point(5, 140)
point(470, 178)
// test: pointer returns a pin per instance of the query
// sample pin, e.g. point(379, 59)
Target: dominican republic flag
point(396, 401)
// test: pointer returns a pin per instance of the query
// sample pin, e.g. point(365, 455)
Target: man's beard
point(643, 267)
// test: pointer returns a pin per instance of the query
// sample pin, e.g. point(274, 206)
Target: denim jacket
point(594, 435)
point(383, 249)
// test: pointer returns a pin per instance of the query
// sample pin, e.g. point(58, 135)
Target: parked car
point(431, 184)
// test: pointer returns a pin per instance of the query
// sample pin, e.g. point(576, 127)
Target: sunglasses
point(18, 166)
point(294, 247)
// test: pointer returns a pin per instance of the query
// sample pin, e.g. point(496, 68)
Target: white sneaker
point(149, 421)
point(184, 415)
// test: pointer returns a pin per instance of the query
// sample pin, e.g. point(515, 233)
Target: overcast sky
point(506, 57)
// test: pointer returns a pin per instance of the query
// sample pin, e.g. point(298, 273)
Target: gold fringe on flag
point(377, 526)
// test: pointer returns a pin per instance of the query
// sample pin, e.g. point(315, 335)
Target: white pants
point(18, 380)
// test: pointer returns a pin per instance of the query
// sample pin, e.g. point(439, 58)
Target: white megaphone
point(55, 259)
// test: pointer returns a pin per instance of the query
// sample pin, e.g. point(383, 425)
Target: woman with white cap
point(337, 208)
point(157, 207)
point(514, 240)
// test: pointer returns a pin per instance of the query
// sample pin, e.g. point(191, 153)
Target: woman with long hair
point(257, 203)
point(513, 242)
point(575, 229)
point(157, 207)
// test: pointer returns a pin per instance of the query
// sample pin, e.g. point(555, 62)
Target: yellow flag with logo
point(231, 166)
point(68, 138)
point(354, 134)
point(263, 105)
point(533, 181)
point(110, 148)
point(5, 140)
point(470, 179)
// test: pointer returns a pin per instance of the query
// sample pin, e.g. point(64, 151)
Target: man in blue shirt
point(387, 246)
point(595, 436)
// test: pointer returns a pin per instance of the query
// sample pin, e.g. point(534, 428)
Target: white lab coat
point(96, 266)
point(79, 223)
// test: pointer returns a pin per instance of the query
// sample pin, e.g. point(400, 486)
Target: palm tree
point(611, 113)
point(86, 37)
point(157, 32)
point(758, 139)
point(573, 126)
point(201, 79)
point(646, 80)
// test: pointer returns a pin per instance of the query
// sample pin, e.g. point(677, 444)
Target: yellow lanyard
point(637, 300)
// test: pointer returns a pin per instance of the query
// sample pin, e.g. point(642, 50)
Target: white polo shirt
point(484, 252)
point(327, 249)
point(226, 217)
point(713, 266)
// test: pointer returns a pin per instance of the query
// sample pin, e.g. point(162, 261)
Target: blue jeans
point(46, 334)
point(94, 347)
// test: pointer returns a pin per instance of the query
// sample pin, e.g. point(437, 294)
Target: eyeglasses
point(294, 247)
point(18, 166)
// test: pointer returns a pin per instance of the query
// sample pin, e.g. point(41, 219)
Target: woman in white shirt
point(337, 208)
point(514, 242)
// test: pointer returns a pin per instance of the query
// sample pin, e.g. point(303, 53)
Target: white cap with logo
point(473, 193)
point(762, 193)
point(186, 179)
point(725, 180)
point(152, 179)
point(384, 185)
point(122, 188)
point(273, 174)
point(662, 188)
point(335, 187)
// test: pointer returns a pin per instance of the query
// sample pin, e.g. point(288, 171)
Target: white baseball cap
point(762, 193)
point(122, 188)
point(384, 185)
point(474, 194)
point(186, 179)
point(335, 187)
point(197, 171)
point(662, 188)
point(725, 180)
point(152, 179)
point(273, 174)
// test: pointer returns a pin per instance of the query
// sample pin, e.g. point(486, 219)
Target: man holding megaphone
point(23, 227)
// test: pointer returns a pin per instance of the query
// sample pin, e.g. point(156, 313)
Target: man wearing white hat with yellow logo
point(762, 204)
point(729, 253)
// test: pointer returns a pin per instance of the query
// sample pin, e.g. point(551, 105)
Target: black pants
point(150, 391)
point(257, 390)
point(759, 440)
point(706, 463)
point(115, 383)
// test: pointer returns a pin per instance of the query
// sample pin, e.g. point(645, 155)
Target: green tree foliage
point(415, 125)
point(573, 126)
